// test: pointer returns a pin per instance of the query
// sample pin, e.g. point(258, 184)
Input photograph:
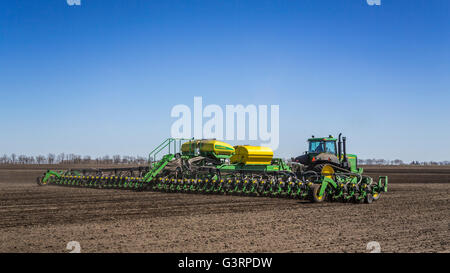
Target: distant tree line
point(70, 159)
point(400, 162)
point(118, 159)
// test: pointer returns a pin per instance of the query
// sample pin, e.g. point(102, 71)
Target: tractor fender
point(325, 157)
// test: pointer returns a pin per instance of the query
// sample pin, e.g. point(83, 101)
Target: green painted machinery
point(215, 167)
point(328, 150)
point(333, 174)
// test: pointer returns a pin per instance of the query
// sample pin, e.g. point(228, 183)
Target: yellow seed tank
point(208, 146)
point(252, 155)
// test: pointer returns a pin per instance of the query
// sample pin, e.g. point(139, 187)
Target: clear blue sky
point(102, 78)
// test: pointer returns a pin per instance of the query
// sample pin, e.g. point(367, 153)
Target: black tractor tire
point(313, 172)
point(369, 198)
point(39, 181)
point(141, 187)
point(318, 168)
point(356, 199)
point(314, 194)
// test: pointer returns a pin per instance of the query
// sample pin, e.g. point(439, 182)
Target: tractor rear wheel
point(318, 168)
point(315, 189)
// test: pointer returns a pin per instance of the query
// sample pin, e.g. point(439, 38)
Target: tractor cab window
point(330, 147)
point(316, 147)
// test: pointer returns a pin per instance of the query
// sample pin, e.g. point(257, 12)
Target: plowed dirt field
point(414, 216)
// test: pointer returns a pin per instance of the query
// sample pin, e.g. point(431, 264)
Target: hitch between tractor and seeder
point(215, 167)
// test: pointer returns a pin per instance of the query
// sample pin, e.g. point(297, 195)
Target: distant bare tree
point(397, 162)
point(50, 158)
point(141, 160)
point(60, 158)
point(77, 159)
point(70, 158)
point(116, 159)
point(30, 160)
point(106, 159)
point(86, 159)
point(380, 161)
point(13, 158)
point(40, 159)
point(21, 159)
point(4, 159)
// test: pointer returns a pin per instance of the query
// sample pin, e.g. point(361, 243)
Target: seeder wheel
point(369, 198)
point(40, 181)
point(376, 196)
point(357, 200)
point(315, 194)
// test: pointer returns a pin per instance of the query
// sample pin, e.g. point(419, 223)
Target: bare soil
point(412, 217)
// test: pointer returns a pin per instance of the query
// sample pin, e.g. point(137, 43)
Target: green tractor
point(325, 150)
point(333, 174)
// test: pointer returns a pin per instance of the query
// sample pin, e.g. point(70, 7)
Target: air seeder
point(215, 167)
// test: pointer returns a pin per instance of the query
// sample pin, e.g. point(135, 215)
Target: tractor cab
point(322, 145)
point(328, 150)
